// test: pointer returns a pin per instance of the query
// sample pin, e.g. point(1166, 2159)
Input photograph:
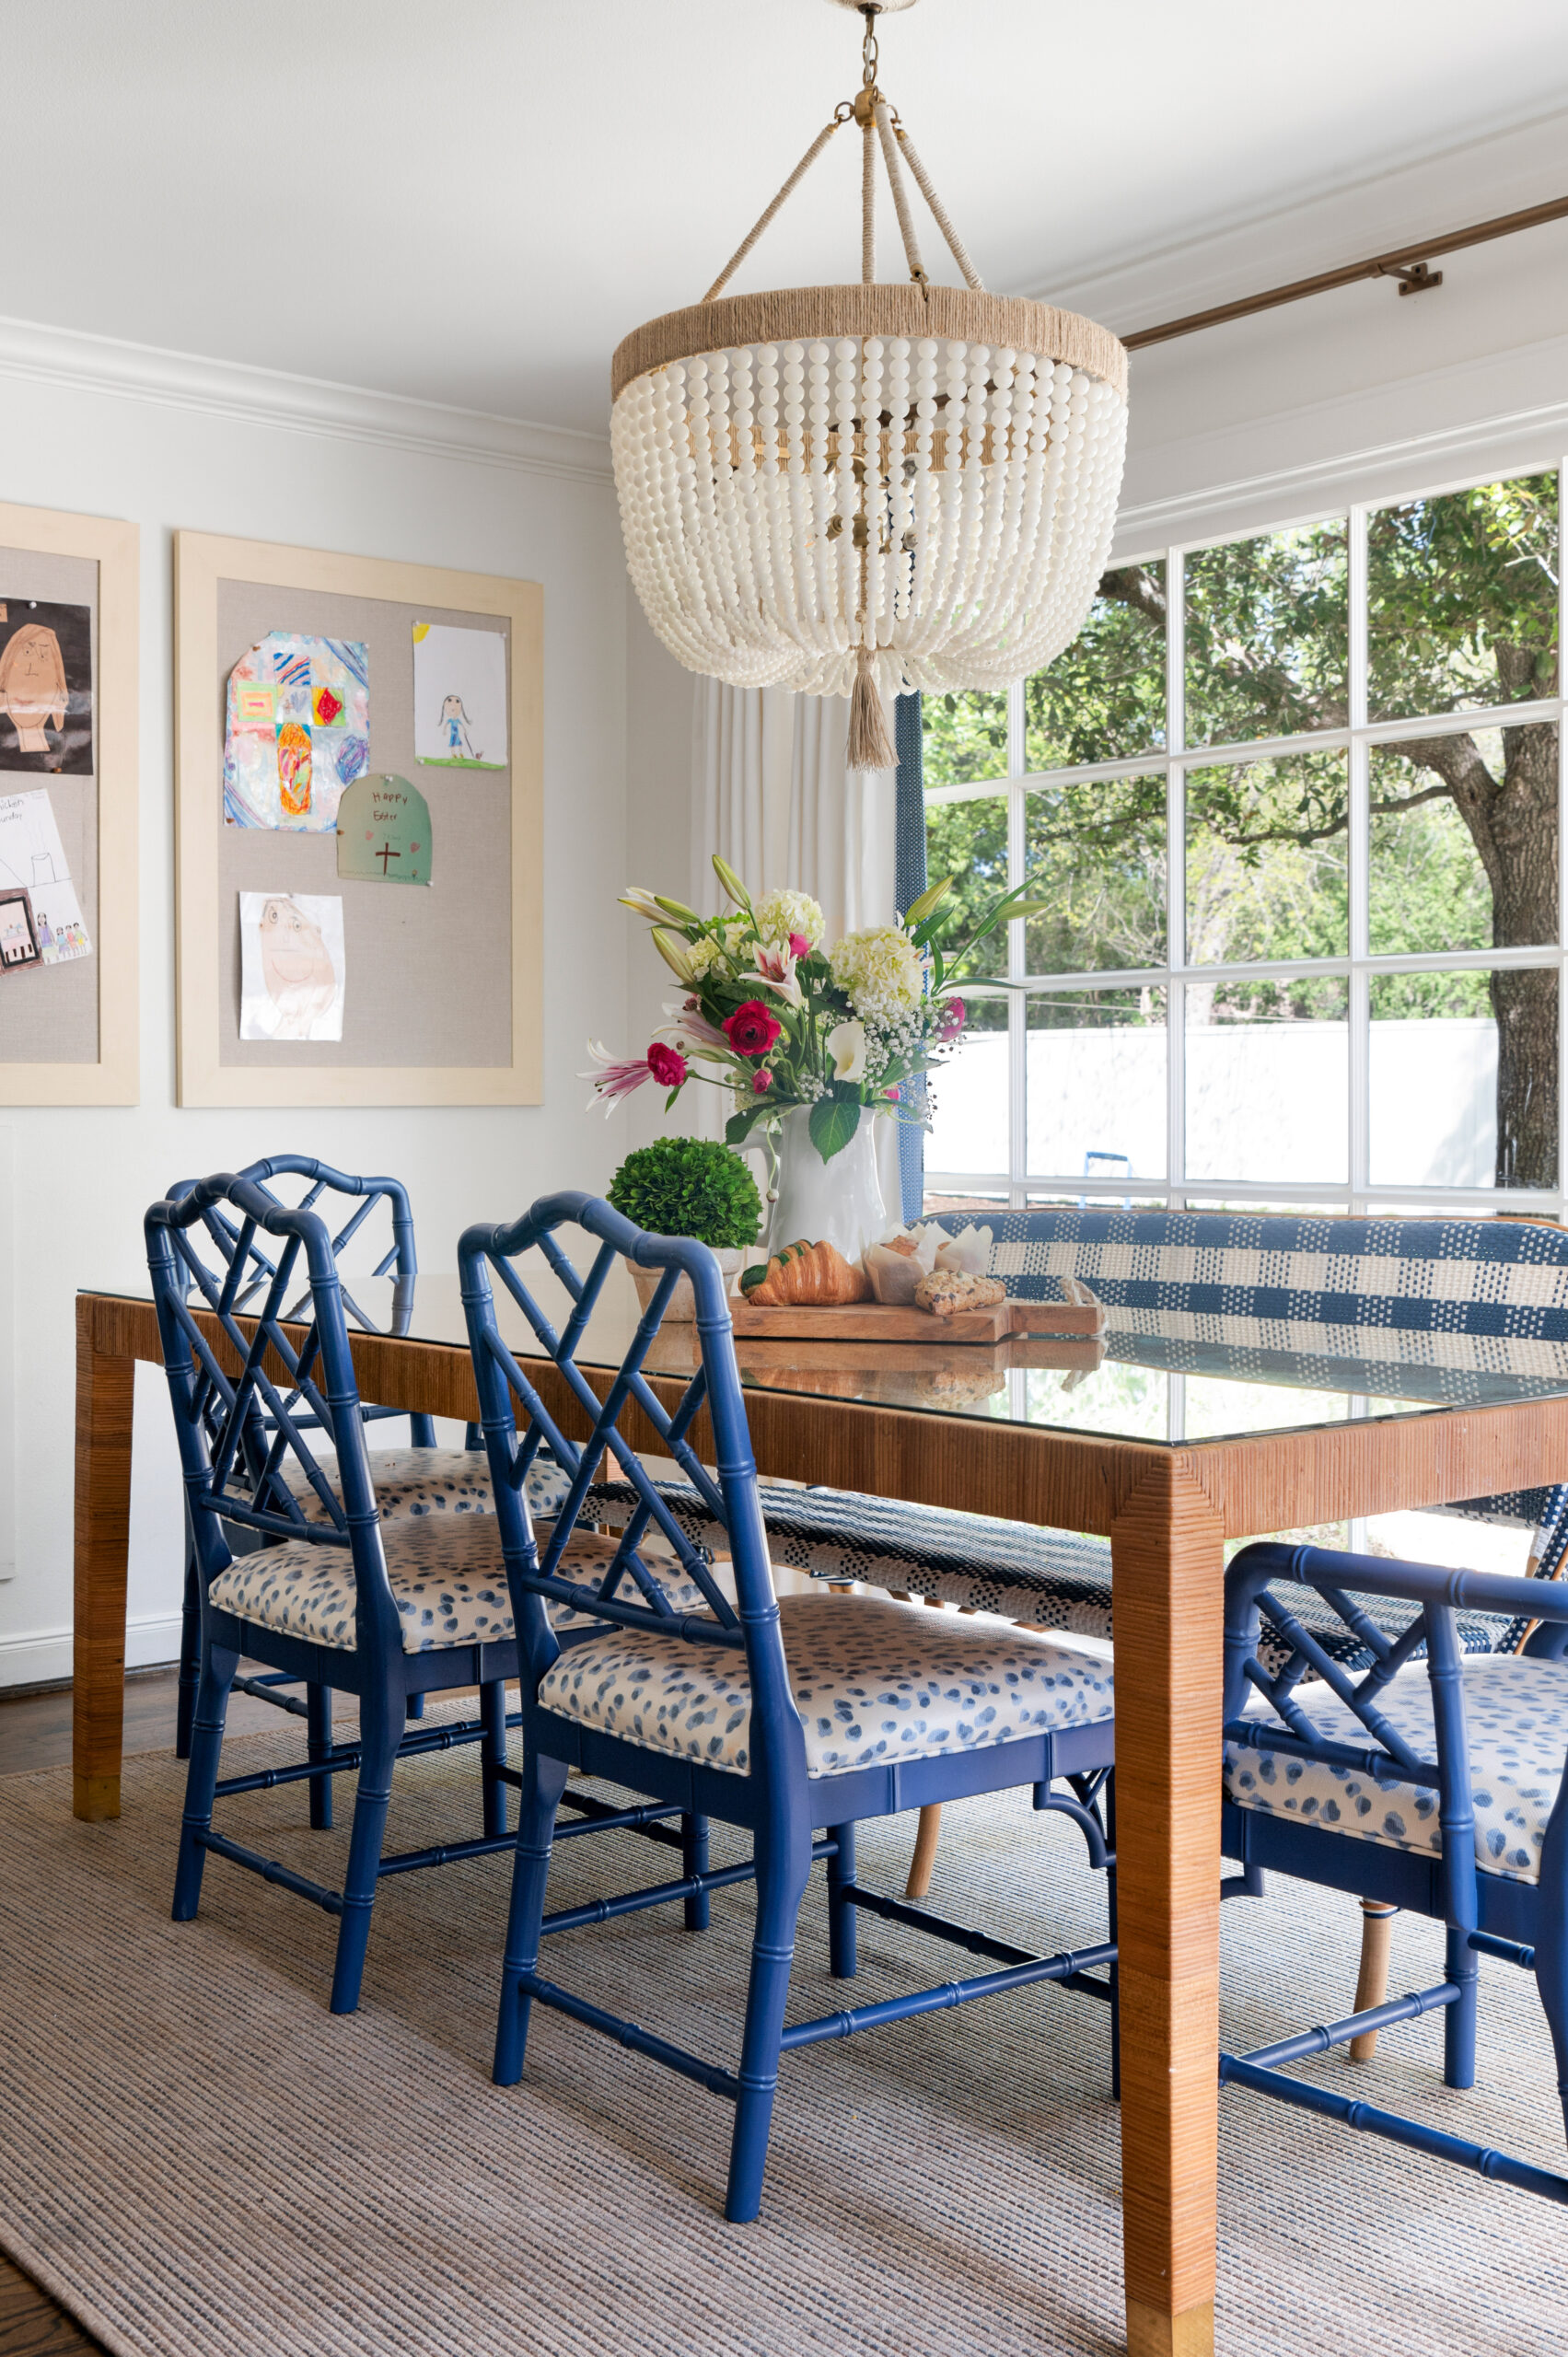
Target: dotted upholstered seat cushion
point(1516, 1719)
point(447, 1575)
point(408, 1482)
point(424, 1480)
point(874, 1682)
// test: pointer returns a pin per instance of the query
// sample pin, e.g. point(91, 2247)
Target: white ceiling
point(471, 200)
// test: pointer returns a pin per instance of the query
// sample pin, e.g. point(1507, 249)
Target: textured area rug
point(197, 2158)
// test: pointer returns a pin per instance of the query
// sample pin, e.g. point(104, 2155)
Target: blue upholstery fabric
point(1460, 1302)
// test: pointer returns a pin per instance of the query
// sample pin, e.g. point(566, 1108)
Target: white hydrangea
point(779, 914)
point(879, 970)
point(703, 955)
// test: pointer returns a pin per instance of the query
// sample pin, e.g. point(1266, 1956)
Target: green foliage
point(834, 1122)
point(689, 1187)
point(1462, 600)
point(1427, 890)
point(965, 737)
point(1103, 699)
point(1268, 635)
point(1098, 854)
point(1266, 861)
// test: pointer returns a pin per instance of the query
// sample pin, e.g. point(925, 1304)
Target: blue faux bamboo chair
point(1434, 1786)
point(418, 1480)
point(776, 1717)
point(343, 1598)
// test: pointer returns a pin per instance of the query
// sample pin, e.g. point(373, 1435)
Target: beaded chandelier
point(863, 490)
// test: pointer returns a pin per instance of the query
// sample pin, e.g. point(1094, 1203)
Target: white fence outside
point(1266, 1102)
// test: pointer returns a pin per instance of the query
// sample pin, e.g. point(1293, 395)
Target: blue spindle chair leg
point(422, 1434)
point(694, 1861)
point(841, 1959)
point(317, 1746)
point(545, 1780)
point(380, 1732)
point(781, 1881)
point(218, 1672)
point(1460, 1964)
point(190, 1656)
point(493, 1755)
point(1115, 1972)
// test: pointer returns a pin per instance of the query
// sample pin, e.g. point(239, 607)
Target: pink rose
point(760, 1083)
point(952, 1021)
point(753, 1028)
point(667, 1064)
point(892, 1093)
point(798, 946)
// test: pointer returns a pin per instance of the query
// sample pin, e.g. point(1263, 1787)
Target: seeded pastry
point(945, 1292)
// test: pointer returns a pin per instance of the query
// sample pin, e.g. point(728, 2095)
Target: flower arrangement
point(778, 1018)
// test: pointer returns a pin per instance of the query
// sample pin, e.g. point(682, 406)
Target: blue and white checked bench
point(1463, 1309)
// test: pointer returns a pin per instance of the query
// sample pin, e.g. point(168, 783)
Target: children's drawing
point(46, 687)
point(298, 732)
point(459, 697)
point(18, 939)
point(293, 968)
point(32, 859)
point(384, 832)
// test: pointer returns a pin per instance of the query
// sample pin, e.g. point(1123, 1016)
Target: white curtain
point(770, 793)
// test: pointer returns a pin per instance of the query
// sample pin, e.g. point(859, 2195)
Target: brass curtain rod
point(1406, 264)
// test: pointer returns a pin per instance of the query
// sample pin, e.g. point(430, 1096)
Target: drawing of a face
point(452, 708)
point(32, 685)
point(294, 769)
point(297, 967)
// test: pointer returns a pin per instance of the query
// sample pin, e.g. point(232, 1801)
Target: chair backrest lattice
point(519, 1421)
point(219, 1233)
point(235, 1429)
point(1454, 1303)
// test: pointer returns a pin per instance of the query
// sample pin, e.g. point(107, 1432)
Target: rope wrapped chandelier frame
point(863, 490)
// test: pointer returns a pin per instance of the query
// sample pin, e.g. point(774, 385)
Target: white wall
point(115, 432)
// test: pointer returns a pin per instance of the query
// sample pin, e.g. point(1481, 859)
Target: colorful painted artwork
point(297, 731)
point(33, 858)
point(293, 967)
point(459, 697)
point(384, 832)
point(46, 687)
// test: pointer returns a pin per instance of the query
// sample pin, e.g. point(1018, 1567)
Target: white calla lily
point(846, 1045)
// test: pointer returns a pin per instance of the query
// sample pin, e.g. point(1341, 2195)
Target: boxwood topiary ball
point(689, 1187)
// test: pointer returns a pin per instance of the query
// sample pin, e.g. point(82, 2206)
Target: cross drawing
point(384, 855)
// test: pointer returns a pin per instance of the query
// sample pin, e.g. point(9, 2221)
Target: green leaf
point(919, 909)
point(832, 1124)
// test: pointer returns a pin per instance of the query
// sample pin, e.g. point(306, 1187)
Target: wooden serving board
point(877, 1321)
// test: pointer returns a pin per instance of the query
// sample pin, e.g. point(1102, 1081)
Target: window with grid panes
point(1293, 802)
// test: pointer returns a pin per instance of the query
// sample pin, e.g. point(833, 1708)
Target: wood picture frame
point(214, 1068)
point(112, 1075)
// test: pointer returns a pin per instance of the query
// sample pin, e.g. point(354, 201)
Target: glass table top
point(1153, 1383)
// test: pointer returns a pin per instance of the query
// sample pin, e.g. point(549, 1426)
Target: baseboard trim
point(42, 1656)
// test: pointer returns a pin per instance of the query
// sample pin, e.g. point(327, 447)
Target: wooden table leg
point(1166, 1569)
point(104, 1393)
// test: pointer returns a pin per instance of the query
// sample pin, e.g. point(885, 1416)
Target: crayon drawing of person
point(33, 686)
point(297, 967)
point(455, 730)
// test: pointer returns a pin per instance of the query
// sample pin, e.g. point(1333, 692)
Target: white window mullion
point(1018, 1033)
point(1358, 875)
point(1176, 881)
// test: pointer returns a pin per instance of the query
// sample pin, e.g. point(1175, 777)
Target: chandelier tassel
point(870, 746)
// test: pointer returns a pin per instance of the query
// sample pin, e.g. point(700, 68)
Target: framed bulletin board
point(359, 766)
point(68, 836)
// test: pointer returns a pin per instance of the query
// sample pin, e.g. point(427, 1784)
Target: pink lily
point(616, 1080)
point(692, 1029)
point(775, 971)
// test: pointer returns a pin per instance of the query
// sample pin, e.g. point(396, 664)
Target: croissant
point(817, 1274)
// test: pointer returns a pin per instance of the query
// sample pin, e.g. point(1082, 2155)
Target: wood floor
point(35, 1732)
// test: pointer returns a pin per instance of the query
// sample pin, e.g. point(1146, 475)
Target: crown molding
point(1350, 454)
point(1318, 228)
point(33, 354)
